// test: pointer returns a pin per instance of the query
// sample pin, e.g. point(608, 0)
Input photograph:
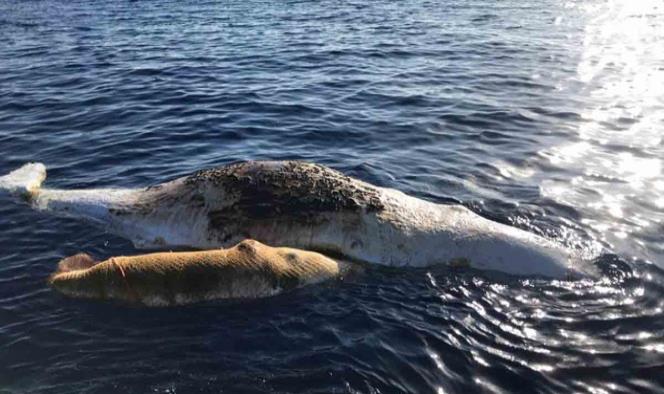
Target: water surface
point(545, 115)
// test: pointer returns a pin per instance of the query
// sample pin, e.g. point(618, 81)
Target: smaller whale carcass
point(247, 270)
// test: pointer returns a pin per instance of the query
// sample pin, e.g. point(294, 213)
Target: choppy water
point(547, 115)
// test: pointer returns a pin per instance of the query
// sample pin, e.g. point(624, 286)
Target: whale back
point(281, 203)
point(268, 189)
point(277, 202)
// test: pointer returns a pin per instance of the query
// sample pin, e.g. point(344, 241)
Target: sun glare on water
point(616, 161)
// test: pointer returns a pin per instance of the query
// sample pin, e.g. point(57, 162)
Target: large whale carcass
point(300, 205)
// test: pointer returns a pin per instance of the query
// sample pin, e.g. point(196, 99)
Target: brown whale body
point(248, 270)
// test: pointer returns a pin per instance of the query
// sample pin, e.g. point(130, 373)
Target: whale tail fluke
point(24, 181)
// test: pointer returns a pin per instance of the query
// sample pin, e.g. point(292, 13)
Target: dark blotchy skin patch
point(297, 190)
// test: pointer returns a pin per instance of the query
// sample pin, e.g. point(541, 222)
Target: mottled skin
point(247, 270)
point(248, 200)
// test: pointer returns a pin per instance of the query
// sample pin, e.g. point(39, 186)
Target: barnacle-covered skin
point(312, 207)
point(265, 190)
point(257, 198)
point(250, 269)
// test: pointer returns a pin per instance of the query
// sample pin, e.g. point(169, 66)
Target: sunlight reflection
point(659, 348)
point(615, 168)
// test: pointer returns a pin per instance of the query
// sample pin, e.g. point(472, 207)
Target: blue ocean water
point(545, 115)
